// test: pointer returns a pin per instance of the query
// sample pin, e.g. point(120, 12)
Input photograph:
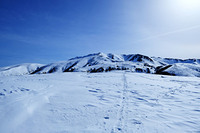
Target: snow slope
point(20, 69)
point(183, 69)
point(111, 102)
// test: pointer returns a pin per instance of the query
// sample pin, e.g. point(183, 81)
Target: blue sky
point(45, 31)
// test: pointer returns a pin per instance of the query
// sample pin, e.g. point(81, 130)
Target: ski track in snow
point(121, 116)
point(114, 102)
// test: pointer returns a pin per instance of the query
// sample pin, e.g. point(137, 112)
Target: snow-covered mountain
point(100, 62)
point(20, 69)
point(114, 102)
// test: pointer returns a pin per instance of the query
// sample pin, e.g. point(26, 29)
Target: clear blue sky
point(45, 31)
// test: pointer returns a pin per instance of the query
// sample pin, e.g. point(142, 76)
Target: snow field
point(99, 102)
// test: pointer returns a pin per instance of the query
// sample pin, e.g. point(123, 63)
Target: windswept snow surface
point(99, 102)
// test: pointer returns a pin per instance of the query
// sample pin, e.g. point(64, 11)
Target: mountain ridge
point(101, 62)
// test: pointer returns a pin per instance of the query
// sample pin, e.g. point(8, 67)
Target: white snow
point(20, 69)
point(99, 102)
point(184, 69)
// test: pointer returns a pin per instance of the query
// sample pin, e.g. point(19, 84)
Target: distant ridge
point(101, 62)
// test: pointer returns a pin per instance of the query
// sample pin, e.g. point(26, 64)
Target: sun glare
point(188, 5)
point(182, 9)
